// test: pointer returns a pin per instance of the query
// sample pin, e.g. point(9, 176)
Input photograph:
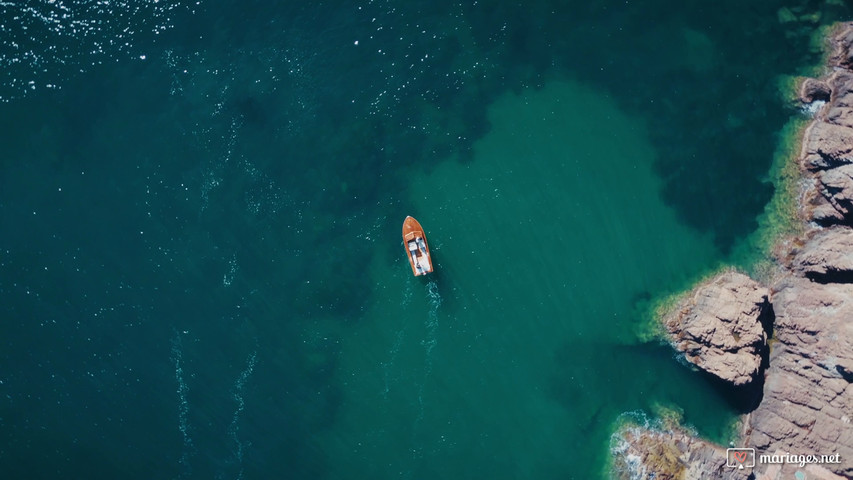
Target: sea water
point(201, 268)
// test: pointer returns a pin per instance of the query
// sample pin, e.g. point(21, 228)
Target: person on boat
point(413, 249)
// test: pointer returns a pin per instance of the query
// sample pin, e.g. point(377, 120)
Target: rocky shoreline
point(802, 375)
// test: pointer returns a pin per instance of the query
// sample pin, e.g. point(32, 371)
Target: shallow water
point(531, 356)
point(201, 274)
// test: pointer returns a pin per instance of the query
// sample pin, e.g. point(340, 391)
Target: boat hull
point(417, 248)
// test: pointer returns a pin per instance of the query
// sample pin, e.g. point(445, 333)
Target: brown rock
point(813, 89)
point(719, 329)
point(808, 399)
point(816, 207)
point(807, 402)
point(841, 86)
point(842, 54)
point(827, 257)
point(826, 214)
point(837, 188)
point(840, 116)
point(826, 146)
point(671, 454)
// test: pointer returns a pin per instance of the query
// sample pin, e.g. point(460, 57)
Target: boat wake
point(429, 343)
point(434, 299)
point(234, 427)
point(408, 289)
point(237, 391)
point(183, 407)
point(407, 294)
point(386, 366)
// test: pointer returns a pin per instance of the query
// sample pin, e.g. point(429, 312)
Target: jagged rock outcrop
point(719, 329)
point(807, 402)
point(840, 110)
point(808, 394)
point(841, 53)
point(828, 154)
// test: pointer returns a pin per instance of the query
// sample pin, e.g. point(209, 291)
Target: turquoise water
point(201, 274)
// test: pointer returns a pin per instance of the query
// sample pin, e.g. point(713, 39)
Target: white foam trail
point(811, 109)
point(626, 465)
point(398, 340)
point(214, 175)
point(386, 366)
point(432, 322)
point(234, 428)
point(407, 292)
point(183, 407)
point(228, 277)
point(429, 344)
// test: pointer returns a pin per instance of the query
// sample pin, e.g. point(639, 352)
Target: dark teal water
point(200, 207)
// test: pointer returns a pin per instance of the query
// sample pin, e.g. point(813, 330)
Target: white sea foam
point(811, 109)
point(372, 233)
point(228, 277)
point(627, 465)
point(183, 407)
point(213, 175)
point(429, 342)
point(264, 197)
point(386, 366)
point(432, 321)
point(408, 289)
point(234, 427)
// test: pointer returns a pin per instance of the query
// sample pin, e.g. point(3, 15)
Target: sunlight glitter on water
point(41, 40)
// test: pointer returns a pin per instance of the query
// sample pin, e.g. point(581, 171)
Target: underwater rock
point(785, 15)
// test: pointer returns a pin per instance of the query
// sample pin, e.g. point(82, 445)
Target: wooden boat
point(417, 248)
